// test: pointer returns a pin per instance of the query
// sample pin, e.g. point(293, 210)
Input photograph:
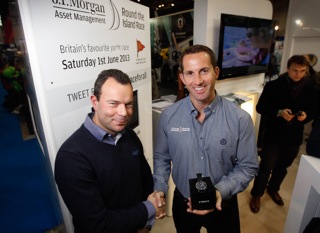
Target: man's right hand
point(287, 114)
point(158, 201)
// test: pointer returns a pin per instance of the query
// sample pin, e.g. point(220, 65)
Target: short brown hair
point(197, 49)
point(299, 60)
point(118, 75)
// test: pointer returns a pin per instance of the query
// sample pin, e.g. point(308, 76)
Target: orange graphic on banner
point(140, 46)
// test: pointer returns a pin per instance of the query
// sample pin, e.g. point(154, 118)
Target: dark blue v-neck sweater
point(103, 185)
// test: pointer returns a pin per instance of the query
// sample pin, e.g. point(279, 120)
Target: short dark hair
point(197, 49)
point(118, 75)
point(299, 60)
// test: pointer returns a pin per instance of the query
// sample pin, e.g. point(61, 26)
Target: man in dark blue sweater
point(101, 171)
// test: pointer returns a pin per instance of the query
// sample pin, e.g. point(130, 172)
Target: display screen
point(244, 45)
point(134, 121)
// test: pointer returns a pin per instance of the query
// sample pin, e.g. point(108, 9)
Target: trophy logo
point(201, 186)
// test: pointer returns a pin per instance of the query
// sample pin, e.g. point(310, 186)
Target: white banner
point(69, 42)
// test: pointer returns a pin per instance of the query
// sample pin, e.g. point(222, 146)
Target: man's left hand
point(302, 116)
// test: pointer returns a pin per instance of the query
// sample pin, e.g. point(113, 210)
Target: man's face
point(199, 76)
point(297, 72)
point(115, 107)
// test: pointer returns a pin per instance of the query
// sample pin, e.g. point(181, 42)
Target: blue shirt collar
point(210, 107)
point(100, 133)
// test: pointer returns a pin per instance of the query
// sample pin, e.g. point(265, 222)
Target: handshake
point(158, 200)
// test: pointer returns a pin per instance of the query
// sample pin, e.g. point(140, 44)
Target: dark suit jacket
point(277, 95)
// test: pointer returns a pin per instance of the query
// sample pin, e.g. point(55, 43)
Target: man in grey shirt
point(204, 133)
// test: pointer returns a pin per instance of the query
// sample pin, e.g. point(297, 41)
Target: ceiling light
point(299, 22)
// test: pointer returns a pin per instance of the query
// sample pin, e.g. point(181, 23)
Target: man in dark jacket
point(101, 171)
point(286, 104)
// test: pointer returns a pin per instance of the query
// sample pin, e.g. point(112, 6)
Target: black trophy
point(203, 193)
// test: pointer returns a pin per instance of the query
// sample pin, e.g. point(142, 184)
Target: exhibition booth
point(59, 85)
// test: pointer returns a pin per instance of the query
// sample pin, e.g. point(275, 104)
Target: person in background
point(313, 141)
point(101, 171)
point(312, 73)
point(208, 134)
point(11, 80)
point(286, 104)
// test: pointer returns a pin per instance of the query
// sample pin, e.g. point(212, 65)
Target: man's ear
point(94, 102)
point(217, 71)
point(182, 77)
